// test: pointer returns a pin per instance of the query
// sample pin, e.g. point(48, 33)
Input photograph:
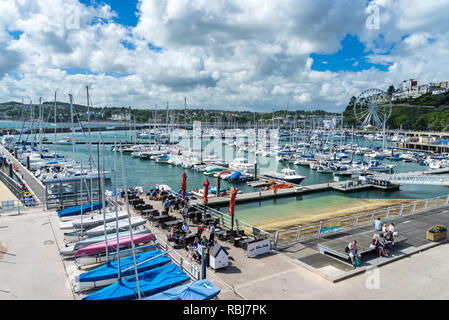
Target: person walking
point(184, 212)
point(212, 233)
point(167, 206)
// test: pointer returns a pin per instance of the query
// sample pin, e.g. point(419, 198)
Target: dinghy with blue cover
point(150, 282)
point(108, 273)
point(75, 210)
point(198, 290)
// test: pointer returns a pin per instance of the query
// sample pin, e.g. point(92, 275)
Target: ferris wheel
point(373, 107)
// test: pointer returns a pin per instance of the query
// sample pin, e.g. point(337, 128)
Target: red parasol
point(232, 201)
point(206, 190)
point(184, 184)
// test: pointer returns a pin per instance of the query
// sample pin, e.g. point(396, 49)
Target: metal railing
point(226, 220)
point(290, 236)
point(12, 185)
point(184, 264)
point(20, 206)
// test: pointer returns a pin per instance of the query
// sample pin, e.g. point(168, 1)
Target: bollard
point(203, 266)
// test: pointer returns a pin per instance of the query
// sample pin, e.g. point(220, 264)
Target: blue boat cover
point(150, 282)
point(110, 270)
point(73, 211)
point(235, 175)
point(198, 290)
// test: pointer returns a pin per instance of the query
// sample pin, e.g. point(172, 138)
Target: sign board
point(258, 247)
point(330, 227)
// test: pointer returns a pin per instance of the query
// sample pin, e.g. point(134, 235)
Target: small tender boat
point(278, 186)
point(198, 290)
point(110, 228)
point(95, 252)
point(108, 273)
point(93, 220)
point(76, 210)
point(150, 282)
point(71, 250)
point(65, 141)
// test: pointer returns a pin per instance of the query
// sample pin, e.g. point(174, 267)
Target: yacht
point(242, 165)
point(287, 175)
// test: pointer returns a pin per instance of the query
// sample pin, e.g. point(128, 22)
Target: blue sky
point(125, 10)
point(219, 54)
point(352, 57)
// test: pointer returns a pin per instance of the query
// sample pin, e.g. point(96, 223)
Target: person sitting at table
point(204, 241)
point(199, 216)
point(172, 235)
point(185, 227)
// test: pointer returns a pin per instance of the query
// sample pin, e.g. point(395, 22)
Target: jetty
point(34, 186)
point(343, 186)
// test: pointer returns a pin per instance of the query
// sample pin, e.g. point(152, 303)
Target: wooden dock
point(342, 186)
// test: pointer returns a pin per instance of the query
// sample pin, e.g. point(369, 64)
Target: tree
point(390, 91)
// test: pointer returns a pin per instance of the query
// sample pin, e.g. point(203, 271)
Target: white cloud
point(223, 54)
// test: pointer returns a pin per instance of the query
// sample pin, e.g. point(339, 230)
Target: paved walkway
point(412, 227)
point(31, 268)
point(5, 193)
point(30, 264)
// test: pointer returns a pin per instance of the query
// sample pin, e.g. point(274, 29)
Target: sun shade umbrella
point(206, 190)
point(232, 205)
point(184, 184)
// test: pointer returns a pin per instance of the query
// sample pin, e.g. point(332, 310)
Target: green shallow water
point(287, 208)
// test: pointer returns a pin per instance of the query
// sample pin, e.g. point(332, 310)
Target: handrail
point(315, 230)
point(191, 269)
point(226, 220)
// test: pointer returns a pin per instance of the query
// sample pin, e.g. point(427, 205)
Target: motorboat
point(242, 165)
point(288, 175)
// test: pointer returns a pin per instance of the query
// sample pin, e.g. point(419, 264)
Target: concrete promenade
point(30, 265)
point(31, 268)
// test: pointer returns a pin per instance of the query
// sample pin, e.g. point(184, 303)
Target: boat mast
point(116, 209)
point(129, 222)
point(185, 113)
point(40, 125)
point(100, 196)
point(71, 124)
point(90, 145)
point(81, 192)
point(54, 107)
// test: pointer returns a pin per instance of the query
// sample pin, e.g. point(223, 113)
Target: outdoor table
point(172, 223)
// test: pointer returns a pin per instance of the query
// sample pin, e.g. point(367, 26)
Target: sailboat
point(150, 282)
point(198, 290)
point(95, 253)
point(108, 273)
point(71, 250)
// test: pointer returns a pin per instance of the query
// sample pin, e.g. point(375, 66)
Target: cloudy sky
point(229, 54)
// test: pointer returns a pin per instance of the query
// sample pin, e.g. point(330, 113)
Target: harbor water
point(148, 174)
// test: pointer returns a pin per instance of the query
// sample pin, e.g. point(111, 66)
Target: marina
point(192, 151)
point(283, 194)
